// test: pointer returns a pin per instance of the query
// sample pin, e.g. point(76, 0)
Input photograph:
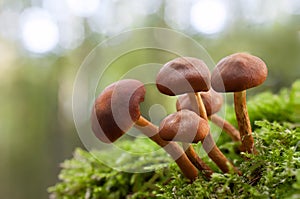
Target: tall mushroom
point(185, 75)
point(187, 126)
point(213, 102)
point(117, 109)
point(237, 73)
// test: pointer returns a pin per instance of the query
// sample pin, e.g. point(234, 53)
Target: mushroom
point(187, 126)
point(117, 109)
point(213, 102)
point(185, 75)
point(184, 126)
point(237, 73)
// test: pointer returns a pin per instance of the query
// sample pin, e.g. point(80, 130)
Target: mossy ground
point(273, 173)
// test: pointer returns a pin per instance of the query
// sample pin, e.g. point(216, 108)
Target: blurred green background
point(43, 43)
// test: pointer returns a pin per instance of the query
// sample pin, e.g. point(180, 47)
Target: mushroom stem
point(217, 156)
point(151, 131)
point(209, 144)
point(202, 110)
point(196, 160)
point(226, 126)
point(243, 122)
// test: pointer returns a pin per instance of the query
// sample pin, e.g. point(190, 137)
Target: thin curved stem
point(209, 144)
point(243, 122)
point(226, 126)
point(202, 110)
point(175, 151)
point(196, 160)
point(217, 156)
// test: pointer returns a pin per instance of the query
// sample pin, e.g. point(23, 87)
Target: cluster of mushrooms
point(117, 109)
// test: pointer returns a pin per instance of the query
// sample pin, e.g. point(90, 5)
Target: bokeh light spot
point(208, 17)
point(39, 32)
point(83, 8)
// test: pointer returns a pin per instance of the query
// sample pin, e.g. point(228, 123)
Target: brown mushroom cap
point(116, 109)
point(212, 101)
point(238, 72)
point(183, 75)
point(184, 126)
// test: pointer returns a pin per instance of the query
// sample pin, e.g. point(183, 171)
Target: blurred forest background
point(43, 43)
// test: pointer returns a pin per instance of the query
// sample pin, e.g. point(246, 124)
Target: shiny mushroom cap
point(183, 75)
point(116, 109)
point(212, 101)
point(184, 126)
point(238, 72)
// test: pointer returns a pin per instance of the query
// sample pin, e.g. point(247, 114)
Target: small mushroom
point(237, 73)
point(184, 126)
point(191, 130)
point(178, 126)
point(117, 109)
point(213, 102)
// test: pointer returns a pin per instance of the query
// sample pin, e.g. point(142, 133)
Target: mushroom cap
point(238, 72)
point(116, 109)
point(184, 126)
point(212, 101)
point(183, 75)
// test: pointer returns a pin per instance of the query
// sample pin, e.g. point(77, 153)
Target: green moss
point(84, 176)
point(273, 173)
